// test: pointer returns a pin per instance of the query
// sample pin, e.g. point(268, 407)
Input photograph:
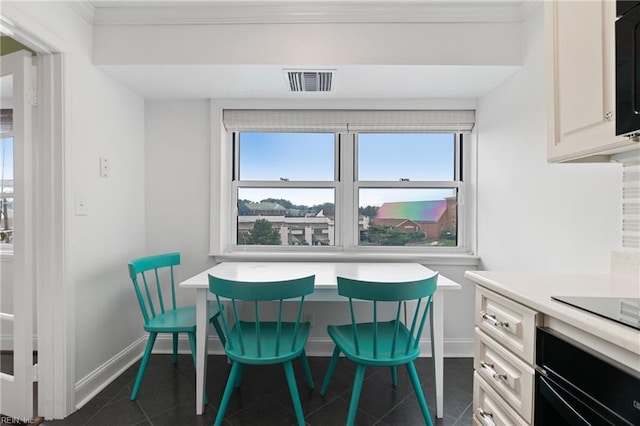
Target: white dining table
point(325, 290)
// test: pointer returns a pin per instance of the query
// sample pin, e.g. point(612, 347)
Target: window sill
point(454, 259)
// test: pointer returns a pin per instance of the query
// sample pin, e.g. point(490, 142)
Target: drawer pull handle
point(499, 377)
point(484, 413)
point(486, 417)
point(492, 319)
point(493, 373)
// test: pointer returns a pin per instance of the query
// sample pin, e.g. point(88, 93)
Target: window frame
point(224, 205)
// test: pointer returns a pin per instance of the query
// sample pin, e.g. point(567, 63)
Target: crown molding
point(281, 12)
point(83, 8)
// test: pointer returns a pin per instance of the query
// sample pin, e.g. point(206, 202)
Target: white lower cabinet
point(490, 409)
point(503, 360)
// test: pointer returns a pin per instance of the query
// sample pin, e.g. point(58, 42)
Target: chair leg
point(413, 375)
point(394, 376)
point(175, 348)
point(332, 366)
point(216, 325)
point(235, 368)
point(143, 364)
point(307, 369)
point(355, 395)
point(239, 375)
point(293, 389)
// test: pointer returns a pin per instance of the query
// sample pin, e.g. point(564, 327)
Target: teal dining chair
point(252, 340)
point(152, 278)
point(378, 343)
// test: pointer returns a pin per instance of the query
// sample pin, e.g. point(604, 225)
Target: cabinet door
point(581, 53)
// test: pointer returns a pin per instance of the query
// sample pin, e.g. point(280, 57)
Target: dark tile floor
point(167, 396)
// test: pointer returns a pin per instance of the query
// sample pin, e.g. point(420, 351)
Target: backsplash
point(630, 199)
point(625, 264)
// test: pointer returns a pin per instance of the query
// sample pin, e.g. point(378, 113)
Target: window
point(326, 181)
point(407, 187)
point(285, 188)
point(6, 177)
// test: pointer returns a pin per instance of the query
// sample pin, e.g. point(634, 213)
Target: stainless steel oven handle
point(559, 403)
point(492, 319)
point(490, 367)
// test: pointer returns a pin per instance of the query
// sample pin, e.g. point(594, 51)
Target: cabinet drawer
point(489, 409)
point(508, 322)
point(507, 374)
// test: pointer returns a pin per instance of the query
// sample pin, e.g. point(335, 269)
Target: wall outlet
point(308, 317)
point(82, 208)
point(104, 167)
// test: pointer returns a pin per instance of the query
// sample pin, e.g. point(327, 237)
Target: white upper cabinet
point(580, 42)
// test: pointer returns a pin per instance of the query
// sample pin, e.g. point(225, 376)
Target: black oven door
point(576, 386)
point(628, 71)
point(558, 405)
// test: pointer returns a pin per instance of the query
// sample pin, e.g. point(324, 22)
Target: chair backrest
point(148, 275)
point(252, 340)
point(403, 340)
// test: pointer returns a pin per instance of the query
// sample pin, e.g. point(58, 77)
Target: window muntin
point(265, 156)
point(413, 156)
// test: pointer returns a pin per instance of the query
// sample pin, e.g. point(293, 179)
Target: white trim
point(83, 8)
point(91, 384)
point(315, 346)
point(309, 12)
point(164, 344)
point(28, 31)
point(453, 348)
point(449, 259)
point(55, 316)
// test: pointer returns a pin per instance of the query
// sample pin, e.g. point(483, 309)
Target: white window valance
point(310, 120)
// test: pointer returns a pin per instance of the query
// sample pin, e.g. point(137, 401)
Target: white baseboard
point(316, 346)
point(94, 382)
point(90, 385)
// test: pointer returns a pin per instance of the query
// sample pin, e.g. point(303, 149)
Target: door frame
point(55, 298)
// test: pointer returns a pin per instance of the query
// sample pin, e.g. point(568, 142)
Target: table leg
point(202, 323)
point(438, 355)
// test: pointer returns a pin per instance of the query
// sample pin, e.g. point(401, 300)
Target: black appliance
point(628, 68)
point(624, 310)
point(578, 386)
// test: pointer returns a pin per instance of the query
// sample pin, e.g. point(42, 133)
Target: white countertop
point(535, 290)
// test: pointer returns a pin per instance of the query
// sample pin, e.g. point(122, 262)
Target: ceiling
point(268, 81)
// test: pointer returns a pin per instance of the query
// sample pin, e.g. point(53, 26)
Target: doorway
point(34, 372)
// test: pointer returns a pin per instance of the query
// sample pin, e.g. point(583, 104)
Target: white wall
point(103, 119)
point(177, 217)
point(177, 184)
point(534, 216)
point(309, 44)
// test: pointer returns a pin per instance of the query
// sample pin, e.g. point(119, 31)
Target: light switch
point(82, 209)
point(104, 167)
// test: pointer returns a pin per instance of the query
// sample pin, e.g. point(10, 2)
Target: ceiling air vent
point(309, 81)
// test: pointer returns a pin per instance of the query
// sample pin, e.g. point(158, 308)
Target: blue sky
point(6, 158)
point(310, 156)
